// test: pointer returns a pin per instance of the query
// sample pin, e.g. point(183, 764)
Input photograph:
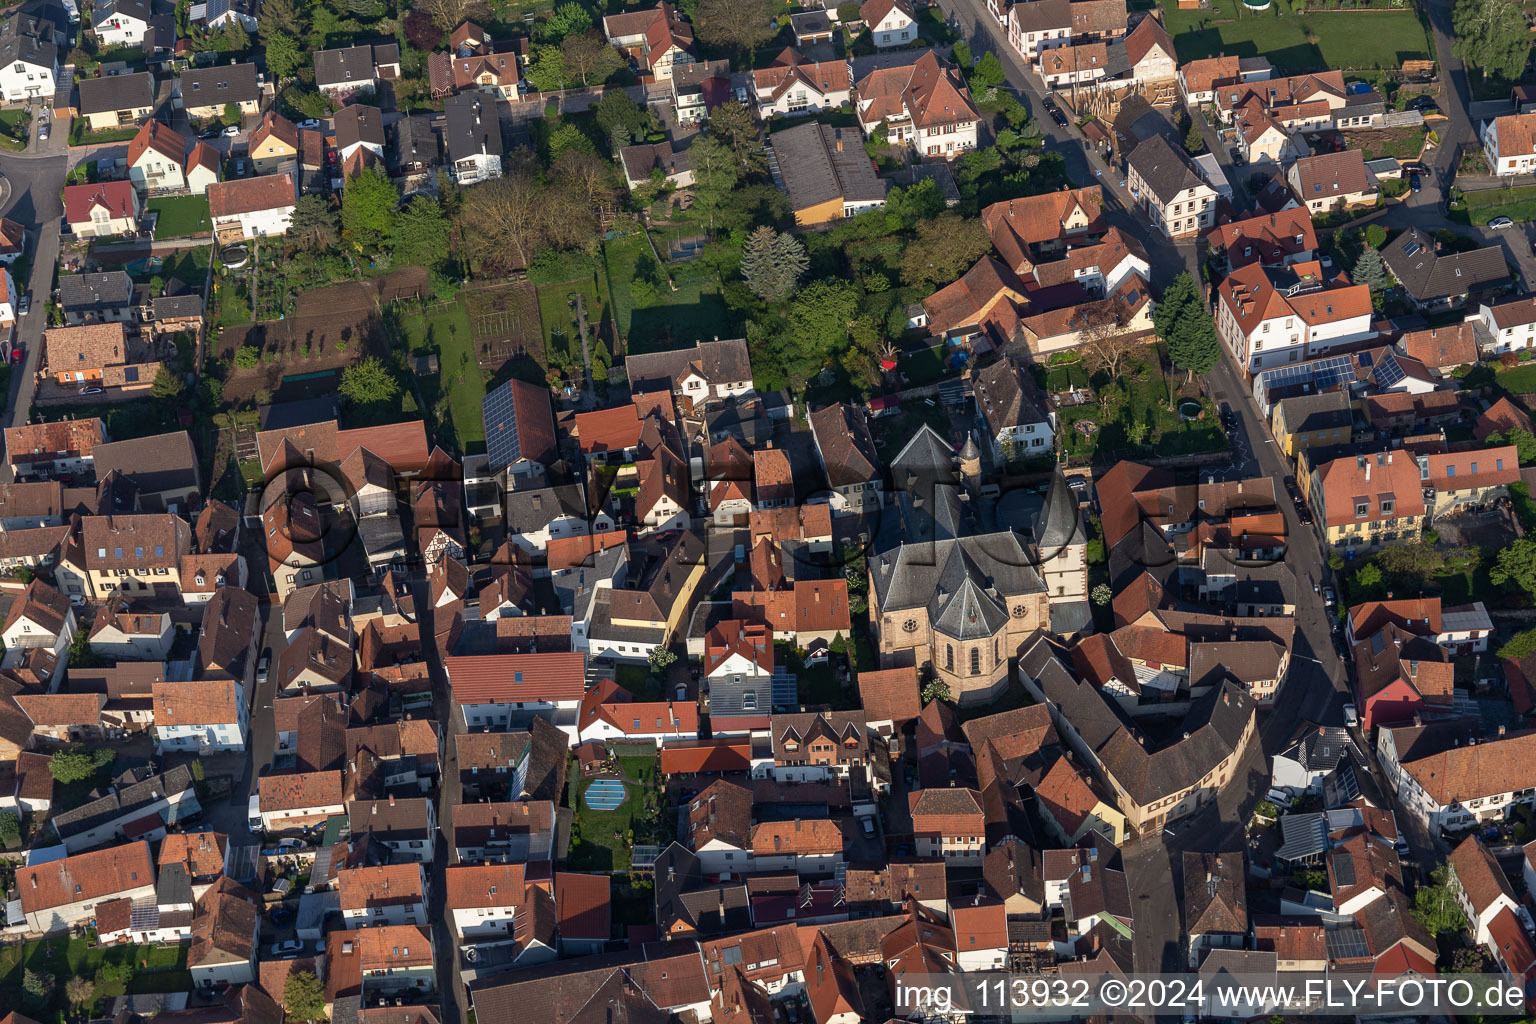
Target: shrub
point(247, 356)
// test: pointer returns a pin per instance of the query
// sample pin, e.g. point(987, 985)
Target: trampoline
point(605, 794)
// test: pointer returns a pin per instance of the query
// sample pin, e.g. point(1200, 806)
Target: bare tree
point(79, 991)
point(1105, 341)
point(505, 220)
point(588, 55)
point(450, 14)
point(586, 174)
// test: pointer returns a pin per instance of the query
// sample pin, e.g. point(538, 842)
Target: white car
point(1351, 716)
point(232, 131)
point(310, 124)
point(287, 948)
point(1500, 223)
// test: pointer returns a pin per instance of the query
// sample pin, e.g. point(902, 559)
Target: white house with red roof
point(494, 689)
point(610, 713)
point(657, 38)
point(1269, 316)
point(102, 209)
point(921, 100)
point(1482, 889)
point(484, 899)
point(890, 22)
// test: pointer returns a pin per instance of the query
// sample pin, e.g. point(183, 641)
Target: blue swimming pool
point(605, 794)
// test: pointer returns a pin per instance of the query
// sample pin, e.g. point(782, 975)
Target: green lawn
point(80, 134)
point(1518, 204)
point(557, 315)
point(1354, 39)
point(924, 366)
point(1521, 380)
point(1147, 403)
point(695, 311)
point(181, 216)
point(15, 128)
point(446, 331)
point(603, 843)
point(155, 969)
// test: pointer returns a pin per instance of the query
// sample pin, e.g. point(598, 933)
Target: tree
point(504, 221)
point(315, 224)
point(567, 138)
point(37, 986)
point(732, 124)
point(236, 38)
point(285, 55)
point(772, 263)
point(420, 32)
point(546, 68)
point(945, 248)
point(1491, 35)
point(936, 689)
point(989, 72)
point(661, 657)
point(368, 381)
point(79, 991)
point(621, 119)
point(588, 56)
point(716, 173)
point(587, 176)
point(71, 765)
point(1193, 345)
point(847, 12)
point(449, 14)
point(569, 19)
point(739, 24)
point(1105, 344)
point(1194, 139)
point(1375, 236)
point(1102, 595)
point(1435, 906)
point(304, 996)
point(1369, 577)
point(10, 829)
point(1520, 646)
point(960, 55)
point(289, 17)
point(420, 236)
point(1524, 443)
point(1370, 270)
point(368, 207)
point(167, 385)
point(1516, 565)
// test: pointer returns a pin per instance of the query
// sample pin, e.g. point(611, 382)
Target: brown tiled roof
point(250, 195)
point(979, 926)
point(383, 885)
point(1017, 224)
point(223, 925)
point(772, 475)
point(890, 694)
point(42, 605)
point(1517, 134)
point(200, 853)
point(85, 876)
point(90, 347)
point(475, 886)
point(804, 838)
point(1065, 792)
point(1442, 347)
point(300, 790)
point(1480, 876)
point(1502, 417)
point(1215, 895)
point(42, 442)
point(204, 702)
point(1299, 939)
point(842, 434)
point(61, 709)
point(584, 907)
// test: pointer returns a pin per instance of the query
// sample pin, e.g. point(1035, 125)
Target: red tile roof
point(507, 678)
point(583, 903)
point(720, 755)
point(118, 197)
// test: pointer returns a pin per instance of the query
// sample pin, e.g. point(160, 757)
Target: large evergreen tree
point(1370, 270)
point(772, 263)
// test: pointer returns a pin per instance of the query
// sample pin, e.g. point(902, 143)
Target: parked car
point(1351, 716)
point(869, 825)
point(17, 356)
point(290, 844)
point(90, 391)
point(1329, 597)
point(210, 133)
point(232, 131)
point(1237, 156)
point(24, 305)
point(1055, 112)
point(287, 948)
point(261, 669)
point(1500, 223)
point(1415, 183)
point(42, 132)
point(310, 124)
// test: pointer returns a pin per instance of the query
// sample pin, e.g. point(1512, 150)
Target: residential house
point(252, 207)
point(1510, 325)
point(1501, 419)
point(1199, 79)
point(1437, 280)
point(206, 93)
point(384, 961)
point(358, 127)
point(29, 51)
point(351, 69)
point(205, 716)
point(473, 138)
point(1332, 181)
point(1016, 425)
point(297, 800)
point(119, 101)
point(702, 86)
point(61, 447)
point(890, 22)
point(121, 22)
point(383, 894)
point(793, 85)
point(826, 175)
point(1078, 64)
point(609, 713)
point(1270, 316)
point(1321, 419)
point(1042, 228)
point(489, 688)
point(274, 144)
point(1170, 191)
point(1442, 349)
point(135, 554)
point(63, 893)
point(657, 39)
point(407, 826)
point(226, 647)
point(123, 632)
point(1509, 144)
point(1460, 786)
point(846, 450)
point(101, 210)
point(1215, 900)
point(1481, 887)
point(1273, 239)
point(504, 833)
point(1354, 511)
point(919, 99)
point(40, 617)
point(1036, 26)
point(643, 160)
point(159, 161)
point(949, 823)
point(700, 375)
point(163, 469)
point(225, 926)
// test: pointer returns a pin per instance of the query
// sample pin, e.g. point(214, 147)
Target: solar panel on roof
point(1366, 359)
point(1390, 372)
point(498, 412)
point(1347, 942)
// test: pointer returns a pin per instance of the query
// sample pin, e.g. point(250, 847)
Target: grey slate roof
point(530, 510)
point(847, 449)
point(123, 802)
point(351, 63)
point(119, 92)
point(176, 307)
point(359, 124)
point(1166, 170)
point(819, 163)
point(220, 84)
point(106, 10)
point(971, 613)
point(912, 575)
point(87, 292)
point(1325, 410)
point(27, 35)
point(473, 125)
point(162, 462)
point(1060, 520)
point(1428, 276)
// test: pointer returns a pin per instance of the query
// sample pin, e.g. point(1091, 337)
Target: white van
point(253, 813)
